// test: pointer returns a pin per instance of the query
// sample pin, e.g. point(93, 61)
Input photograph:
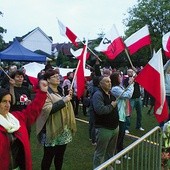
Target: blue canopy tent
point(16, 52)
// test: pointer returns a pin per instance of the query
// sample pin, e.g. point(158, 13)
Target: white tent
point(32, 69)
point(64, 71)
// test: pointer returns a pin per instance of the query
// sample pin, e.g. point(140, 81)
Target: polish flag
point(81, 55)
point(166, 44)
point(77, 53)
point(111, 44)
point(138, 40)
point(151, 78)
point(65, 31)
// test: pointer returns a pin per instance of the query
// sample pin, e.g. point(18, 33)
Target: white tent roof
point(32, 69)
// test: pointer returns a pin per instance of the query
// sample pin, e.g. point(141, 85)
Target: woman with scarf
point(14, 139)
point(56, 123)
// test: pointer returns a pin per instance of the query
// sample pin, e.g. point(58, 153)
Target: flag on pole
point(65, 31)
point(151, 78)
point(138, 40)
point(77, 53)
point(166, 44)
point(111, 44)
point(81, 55)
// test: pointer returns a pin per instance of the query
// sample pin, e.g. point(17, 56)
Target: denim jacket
point(127, 94)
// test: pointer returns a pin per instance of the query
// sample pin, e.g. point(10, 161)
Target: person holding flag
point(122, 95)
point(135, 100)
point(106, 122)
point(56, 123)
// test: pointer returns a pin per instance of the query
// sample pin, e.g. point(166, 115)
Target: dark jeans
point(92, 130)
point(137, 105)
point(56, 152)
point(75, 101)
point(121, 136)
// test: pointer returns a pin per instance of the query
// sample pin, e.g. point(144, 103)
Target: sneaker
point(94, 144)
point(127, 157)
point(141, 129)
point(118, 162)
point(127, 131)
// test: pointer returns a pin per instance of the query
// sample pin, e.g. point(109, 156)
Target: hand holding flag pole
point(124, 91)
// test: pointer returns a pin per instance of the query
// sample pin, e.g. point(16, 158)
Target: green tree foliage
point(66, 61)
point(2, 31)
point(154, 13)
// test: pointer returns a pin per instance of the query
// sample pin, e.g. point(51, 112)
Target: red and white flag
point(151, 78)
point(111, 44)
point(77, 53)
point(81, 55)
point(65, 31)
point(138, 40)
point(166, 44)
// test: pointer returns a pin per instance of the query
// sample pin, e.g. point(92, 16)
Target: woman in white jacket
point(122, 95)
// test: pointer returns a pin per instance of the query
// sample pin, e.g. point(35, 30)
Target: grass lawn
point(79, 152)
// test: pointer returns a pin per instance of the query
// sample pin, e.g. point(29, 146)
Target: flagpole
point(128, 57)
point(5, 72)
point(75, 73)
point(90, 50)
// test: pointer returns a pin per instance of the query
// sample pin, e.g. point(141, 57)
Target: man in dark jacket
point(106, 122)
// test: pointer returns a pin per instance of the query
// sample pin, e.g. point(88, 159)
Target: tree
point(154, 13)
point(2, 30)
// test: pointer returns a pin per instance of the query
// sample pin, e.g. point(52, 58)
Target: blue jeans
point(127, 123)
point(106, 145)
point(137, 105)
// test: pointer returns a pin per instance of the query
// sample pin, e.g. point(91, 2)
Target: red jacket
point(26, 116)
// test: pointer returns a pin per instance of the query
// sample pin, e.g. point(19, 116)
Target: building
point(37, 41)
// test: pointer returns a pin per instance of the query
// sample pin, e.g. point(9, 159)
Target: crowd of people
point(109, 98)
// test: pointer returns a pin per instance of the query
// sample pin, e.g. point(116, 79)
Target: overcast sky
point(83, 17)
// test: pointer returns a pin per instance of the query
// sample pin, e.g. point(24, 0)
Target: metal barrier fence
point(143, 154)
